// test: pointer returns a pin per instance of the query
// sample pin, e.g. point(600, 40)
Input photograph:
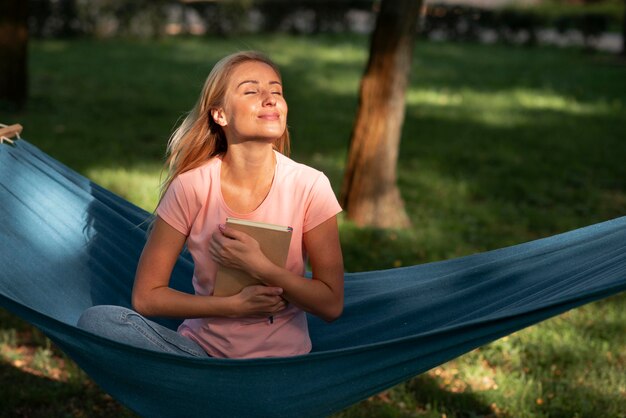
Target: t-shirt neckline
point(261, 205)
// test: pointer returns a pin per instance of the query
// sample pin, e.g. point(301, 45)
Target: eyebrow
point(257, 82)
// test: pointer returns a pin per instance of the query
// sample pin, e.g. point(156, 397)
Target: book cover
point(274, 241)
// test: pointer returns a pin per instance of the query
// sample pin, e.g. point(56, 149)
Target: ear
point(219, 117)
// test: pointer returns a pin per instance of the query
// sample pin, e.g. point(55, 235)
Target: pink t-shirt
point(300, 197)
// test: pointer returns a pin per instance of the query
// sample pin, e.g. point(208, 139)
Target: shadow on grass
point(366, 249)
point(575, 364)
point(427, 391)
point(421, 396)
point(31, 394)
point(486, 187)
point(579, 392)
point(26, 395)
point(603, 322)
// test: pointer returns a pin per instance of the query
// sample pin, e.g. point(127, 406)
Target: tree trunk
point(370, 195)
point(624, 31)
point(13, 44)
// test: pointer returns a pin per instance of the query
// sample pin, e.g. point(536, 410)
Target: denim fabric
point(125, 325)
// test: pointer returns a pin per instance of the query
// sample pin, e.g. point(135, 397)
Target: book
point(274, 241)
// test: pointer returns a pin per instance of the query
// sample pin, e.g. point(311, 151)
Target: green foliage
point(520, 22)
point(551, 9)
point(500, 146)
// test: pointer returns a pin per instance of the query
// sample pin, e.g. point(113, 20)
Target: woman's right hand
point(258, 301)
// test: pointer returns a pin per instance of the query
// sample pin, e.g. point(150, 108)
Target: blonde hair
point(199, 137)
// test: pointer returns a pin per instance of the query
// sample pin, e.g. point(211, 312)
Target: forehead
point(253, 70)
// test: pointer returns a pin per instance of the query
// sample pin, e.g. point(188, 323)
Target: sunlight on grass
point(546, 367)
point(55, 46)
point(345, 55)
point(139, 184)
point(338, 83)
point(513, 107)
point(39, 361)
point(330, 164)
point(542, 100)
point(341, 54)
point(8, 337)
point(329, 70)
point(434, 98)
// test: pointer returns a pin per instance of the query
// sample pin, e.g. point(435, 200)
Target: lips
point(270, 116)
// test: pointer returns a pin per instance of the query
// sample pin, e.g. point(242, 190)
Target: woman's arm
point(152, 295)
point(321, 296)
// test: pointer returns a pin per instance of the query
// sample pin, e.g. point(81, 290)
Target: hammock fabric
point(69, 244)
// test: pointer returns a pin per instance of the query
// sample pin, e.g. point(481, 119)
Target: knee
point(101, 317)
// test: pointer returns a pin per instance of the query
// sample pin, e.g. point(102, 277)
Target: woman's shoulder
point(300, 179)
point(198, 175)
point(196, 183)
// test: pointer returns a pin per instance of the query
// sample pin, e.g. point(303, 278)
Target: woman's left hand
point(236, 249)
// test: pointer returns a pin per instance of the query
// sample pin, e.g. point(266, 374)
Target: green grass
point(500, 145)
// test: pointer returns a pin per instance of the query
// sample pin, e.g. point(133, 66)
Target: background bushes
point(519, 24)
point(153, 18)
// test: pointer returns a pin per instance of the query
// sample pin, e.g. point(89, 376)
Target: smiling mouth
point(271, 116)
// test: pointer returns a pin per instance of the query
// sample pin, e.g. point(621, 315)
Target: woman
point(225, 160)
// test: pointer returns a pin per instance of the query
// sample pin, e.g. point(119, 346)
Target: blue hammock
point(69, 244)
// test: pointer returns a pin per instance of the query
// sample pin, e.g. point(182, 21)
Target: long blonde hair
point(199, 137)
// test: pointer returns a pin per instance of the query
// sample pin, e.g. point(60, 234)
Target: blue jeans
point(127, 326)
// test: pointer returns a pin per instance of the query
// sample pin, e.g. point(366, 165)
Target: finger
point(215, 256)
point(269, 290)
point(214, 245)
point(280, 306)
point(230, 232)
point(214, 250)
point(218, 238)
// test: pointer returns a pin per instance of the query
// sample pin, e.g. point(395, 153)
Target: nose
point(268, 98)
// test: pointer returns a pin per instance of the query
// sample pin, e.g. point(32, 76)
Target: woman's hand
point(258, 301)
point(152, 295)
point(322, 295)
point(238, 250)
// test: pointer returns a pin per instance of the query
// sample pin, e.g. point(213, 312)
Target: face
point(254, 107)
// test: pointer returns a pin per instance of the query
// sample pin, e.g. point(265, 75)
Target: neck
point(249, 163)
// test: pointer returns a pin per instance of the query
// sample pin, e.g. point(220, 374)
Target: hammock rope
point(78, 247)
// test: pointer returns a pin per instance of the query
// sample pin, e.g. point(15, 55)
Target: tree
point(13, 44)
point(624, 31)
point(370, 195)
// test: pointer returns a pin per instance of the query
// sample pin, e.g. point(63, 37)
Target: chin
point(270, 136)
point(263, 139)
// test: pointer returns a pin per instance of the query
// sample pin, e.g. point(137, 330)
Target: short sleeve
point(176, 207)
point(321, 205)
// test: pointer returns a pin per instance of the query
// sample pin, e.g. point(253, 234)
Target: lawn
point(501, 145)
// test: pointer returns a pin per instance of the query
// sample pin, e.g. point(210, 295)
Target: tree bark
point(370, 195)
point(13, 44)
point(624, 31)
